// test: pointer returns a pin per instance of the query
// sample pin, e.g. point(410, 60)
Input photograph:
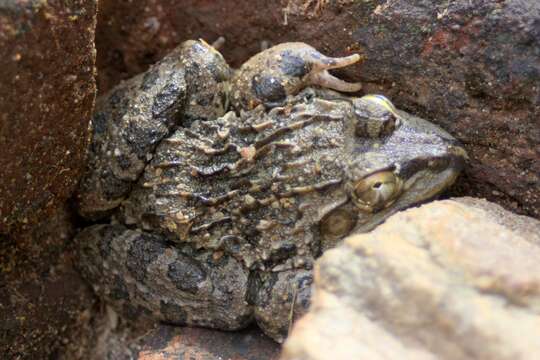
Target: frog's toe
point(265, 45)
point(218, 43)
point(280, 299)
point(326, 80)
point(321, 77)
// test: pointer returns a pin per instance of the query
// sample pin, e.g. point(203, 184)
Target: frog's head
point(396, 161)
point(272, 75)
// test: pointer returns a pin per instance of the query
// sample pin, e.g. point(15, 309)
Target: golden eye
point(376, 191)
point(377, 117)
point(338, 223)
point(382, 101)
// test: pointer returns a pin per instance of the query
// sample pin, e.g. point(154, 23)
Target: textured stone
point(452, 279)
point(471, 66)
point(167, 342)
point(46, 96)
point(42, 298)
point(114, 341)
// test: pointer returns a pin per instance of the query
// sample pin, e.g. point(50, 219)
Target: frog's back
point(243, 184)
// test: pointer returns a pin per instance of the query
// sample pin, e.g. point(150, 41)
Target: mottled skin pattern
point(132, 119)
point(222, 222)
point(141, 274)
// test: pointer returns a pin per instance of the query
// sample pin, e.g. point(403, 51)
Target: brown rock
point(115, 341)
point(46, 96)
point(42, 298)
point(168, 342)
point(470, 66)
point(453, 279)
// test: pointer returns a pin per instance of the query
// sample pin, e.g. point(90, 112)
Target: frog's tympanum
point(214, 218)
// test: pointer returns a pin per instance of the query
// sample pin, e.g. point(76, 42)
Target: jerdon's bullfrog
point(215, 190)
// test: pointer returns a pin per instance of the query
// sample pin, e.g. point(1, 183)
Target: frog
point(210, 194)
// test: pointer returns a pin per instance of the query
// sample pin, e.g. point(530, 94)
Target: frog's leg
point(320, 76)
point(280, 299)
point(141, 274)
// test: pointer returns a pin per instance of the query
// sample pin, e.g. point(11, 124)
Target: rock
point(42, 298)
point(452, 279)
point(471, 66)
point(113, 340)
point(167, 342)
point(47, 60)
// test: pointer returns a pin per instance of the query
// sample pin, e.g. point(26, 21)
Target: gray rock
point(452, 279)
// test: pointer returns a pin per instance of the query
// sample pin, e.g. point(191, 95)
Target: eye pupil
point(377, 185)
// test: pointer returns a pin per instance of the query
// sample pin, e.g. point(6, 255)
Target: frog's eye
point(337, 223)
point(381, 101)
point(376, 191)
point(377, 116)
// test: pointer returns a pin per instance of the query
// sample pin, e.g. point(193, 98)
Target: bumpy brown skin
point(227, 218)
point(136, 115)
point(179, 285)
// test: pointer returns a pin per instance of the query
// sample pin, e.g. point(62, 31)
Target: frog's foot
point(320, 76)
point(285, 69)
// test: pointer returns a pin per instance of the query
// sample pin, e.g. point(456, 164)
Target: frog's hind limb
point(143, 274)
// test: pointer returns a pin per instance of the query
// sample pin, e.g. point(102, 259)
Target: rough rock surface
point(47, 93)
point(472, 66)
point(452, 279)
point(43, 300)
point(168, 343)
point(107, 337)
